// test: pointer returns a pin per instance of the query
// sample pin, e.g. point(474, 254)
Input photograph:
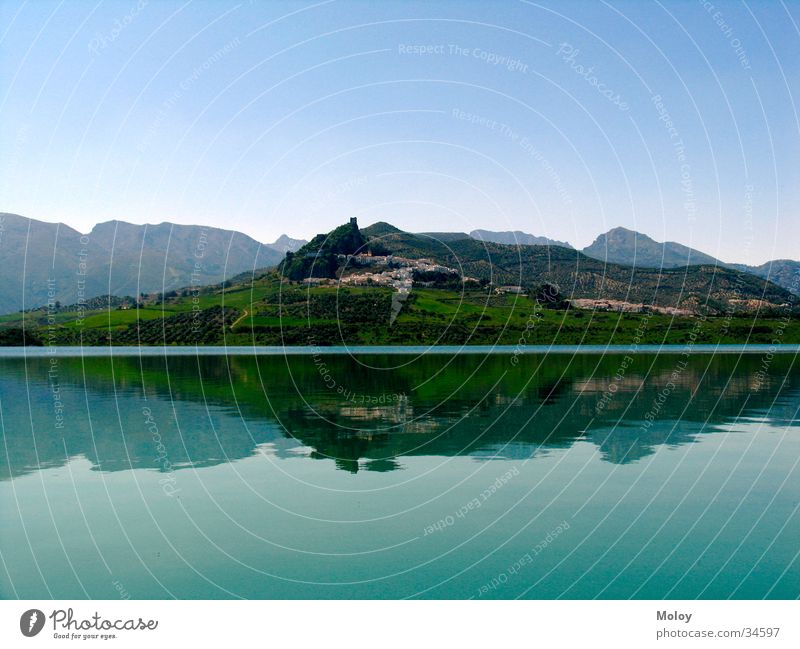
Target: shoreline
point(217, 350)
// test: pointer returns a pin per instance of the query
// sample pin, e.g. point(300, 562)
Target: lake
point(400, 475)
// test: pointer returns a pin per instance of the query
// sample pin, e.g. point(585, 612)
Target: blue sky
point(678, 119)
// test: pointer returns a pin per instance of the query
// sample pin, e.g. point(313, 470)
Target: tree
point(548, 295)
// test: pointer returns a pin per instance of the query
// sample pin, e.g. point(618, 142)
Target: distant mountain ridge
point(286, 244)
point(623, 246)
point(51, 261)
point(516, 237)
point(631, 248)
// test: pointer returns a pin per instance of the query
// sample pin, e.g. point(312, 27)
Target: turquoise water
point(376, 475)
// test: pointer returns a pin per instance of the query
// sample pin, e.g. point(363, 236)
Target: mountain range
point(631, 248)
point(50, 261)
point(623, 246)
point(516, 238)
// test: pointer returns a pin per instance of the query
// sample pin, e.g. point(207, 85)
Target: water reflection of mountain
point(208, 410)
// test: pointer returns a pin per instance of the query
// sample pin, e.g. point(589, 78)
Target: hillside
point(696, 288)
point(784, 272)
point(118, 258)
point(271, 311)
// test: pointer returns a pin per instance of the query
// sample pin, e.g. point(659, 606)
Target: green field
point(269, 312)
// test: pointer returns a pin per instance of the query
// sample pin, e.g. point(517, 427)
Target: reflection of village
point(397, 416)
point(383, 417)
point(524, 424)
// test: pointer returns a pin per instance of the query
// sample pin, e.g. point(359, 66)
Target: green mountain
point(516, 238)
point(698, 288)
point(52, 261)
point(320, 257)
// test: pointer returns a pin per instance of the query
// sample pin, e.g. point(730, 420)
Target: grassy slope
point(264, 312)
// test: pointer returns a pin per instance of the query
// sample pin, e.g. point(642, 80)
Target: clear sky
point(563, 119)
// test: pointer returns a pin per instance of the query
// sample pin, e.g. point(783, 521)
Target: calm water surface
point(376, 475)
